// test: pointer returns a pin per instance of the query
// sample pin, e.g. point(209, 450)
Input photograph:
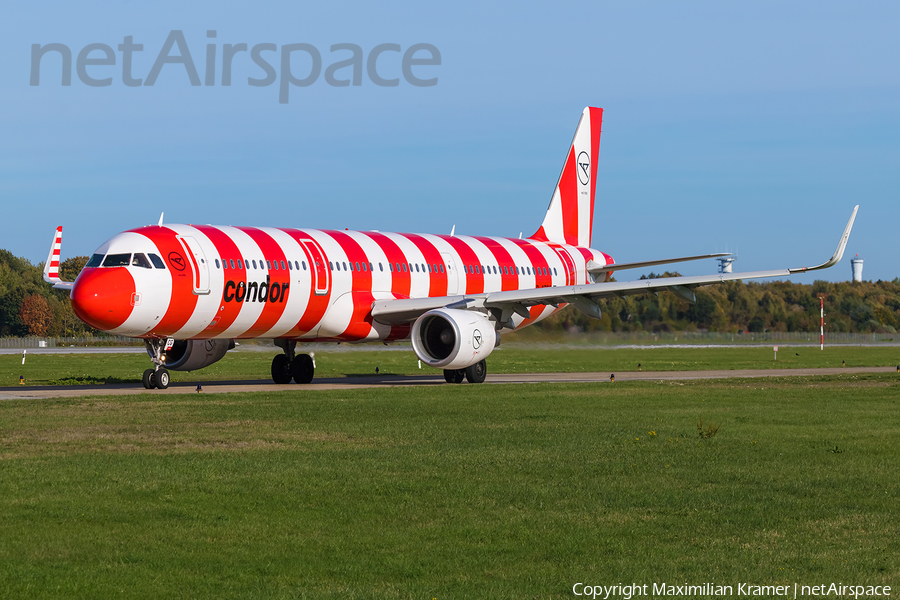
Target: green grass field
point(503, 491)
point(42, 369)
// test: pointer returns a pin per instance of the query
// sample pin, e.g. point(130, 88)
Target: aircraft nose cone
point(103, 298)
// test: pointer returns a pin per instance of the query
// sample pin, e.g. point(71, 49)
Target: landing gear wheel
point(454, 375)
point(281, 369)
point(148, 379)
point(477, 372)
point(161, 378)
point(302, 368)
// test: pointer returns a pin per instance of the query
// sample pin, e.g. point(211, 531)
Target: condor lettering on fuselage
point(255, 292)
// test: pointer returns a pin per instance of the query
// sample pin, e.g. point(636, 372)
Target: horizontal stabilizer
point(596, 269)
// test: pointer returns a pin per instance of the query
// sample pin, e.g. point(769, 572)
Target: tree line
point(735, 306)
point(29, 306)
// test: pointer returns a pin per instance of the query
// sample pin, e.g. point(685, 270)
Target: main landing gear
point(474, 374)
point(287, 366)
point(158, 376)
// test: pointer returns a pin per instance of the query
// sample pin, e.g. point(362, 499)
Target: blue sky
point(752, 126)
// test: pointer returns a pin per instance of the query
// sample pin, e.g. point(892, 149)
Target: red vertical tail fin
point(570, 216)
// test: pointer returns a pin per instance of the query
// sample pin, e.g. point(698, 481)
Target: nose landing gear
point(157, 377)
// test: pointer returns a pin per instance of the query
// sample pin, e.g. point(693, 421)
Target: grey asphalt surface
point(351, 383)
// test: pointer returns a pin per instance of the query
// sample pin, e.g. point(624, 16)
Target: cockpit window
point(117, 260)
point(157, 261)
point(139, 260)
point(95, 261)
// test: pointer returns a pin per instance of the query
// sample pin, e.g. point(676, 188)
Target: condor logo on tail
point(255, 292)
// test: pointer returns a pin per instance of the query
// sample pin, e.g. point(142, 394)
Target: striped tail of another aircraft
point(51, 267)
point(570, 216)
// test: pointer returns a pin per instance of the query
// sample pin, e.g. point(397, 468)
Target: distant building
point(856, 266)
point(726, 263)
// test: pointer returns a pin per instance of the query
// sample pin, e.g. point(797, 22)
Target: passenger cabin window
point(240, 264)
point(331, 265)
point(117, 260)
point(96, 261)
point(157, 261)
point(303, 262)
point(217, 263)
point(139, 260)
point(231, 263)
point(282, 265)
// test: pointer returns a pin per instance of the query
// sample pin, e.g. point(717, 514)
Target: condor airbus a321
point(189, 291)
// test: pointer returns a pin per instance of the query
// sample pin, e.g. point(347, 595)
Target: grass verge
point(401, 493)
point(72, 369)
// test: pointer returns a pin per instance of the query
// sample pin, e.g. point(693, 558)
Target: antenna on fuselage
point(452, 230)
point(160, 218)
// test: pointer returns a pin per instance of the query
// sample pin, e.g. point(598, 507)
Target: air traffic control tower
point(726, 263)
point(856, 265)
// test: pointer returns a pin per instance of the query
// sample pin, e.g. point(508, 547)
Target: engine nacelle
point(449, 338)
point(191, 355)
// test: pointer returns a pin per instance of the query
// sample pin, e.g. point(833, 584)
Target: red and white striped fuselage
point(208, 282)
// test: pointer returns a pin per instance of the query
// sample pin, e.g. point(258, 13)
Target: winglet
point(838, 252)
point(51, 267)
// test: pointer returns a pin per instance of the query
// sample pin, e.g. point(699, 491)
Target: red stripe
point(271, 311)
point(535, 312)
point(183, 300)
point(596, 123)
point(474, 281)
point(568, 196)
point(587, 255)
point(609, 261)
point(400, 281)
point(361, 320)
point(568, 264)
point(226, 249)
point(537, 259)
point(508, 280)
point(398, 332)
point(540, 235)
point(437, 281)
point(317, 306)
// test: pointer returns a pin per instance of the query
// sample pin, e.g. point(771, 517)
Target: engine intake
point(191, 355)
point(449, 338)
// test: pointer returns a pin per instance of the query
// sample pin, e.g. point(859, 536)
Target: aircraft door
point(568, 265)
point(197, 261)
point(318, 268)
point(452, 274)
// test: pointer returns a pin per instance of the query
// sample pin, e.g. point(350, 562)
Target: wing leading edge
point(505, 304)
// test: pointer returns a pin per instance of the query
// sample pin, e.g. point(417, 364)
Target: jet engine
point(191, 355)
point(449, 338)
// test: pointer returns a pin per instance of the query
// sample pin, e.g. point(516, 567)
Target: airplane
point(190, 291)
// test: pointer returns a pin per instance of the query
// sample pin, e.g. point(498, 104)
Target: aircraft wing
point(395, 312)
